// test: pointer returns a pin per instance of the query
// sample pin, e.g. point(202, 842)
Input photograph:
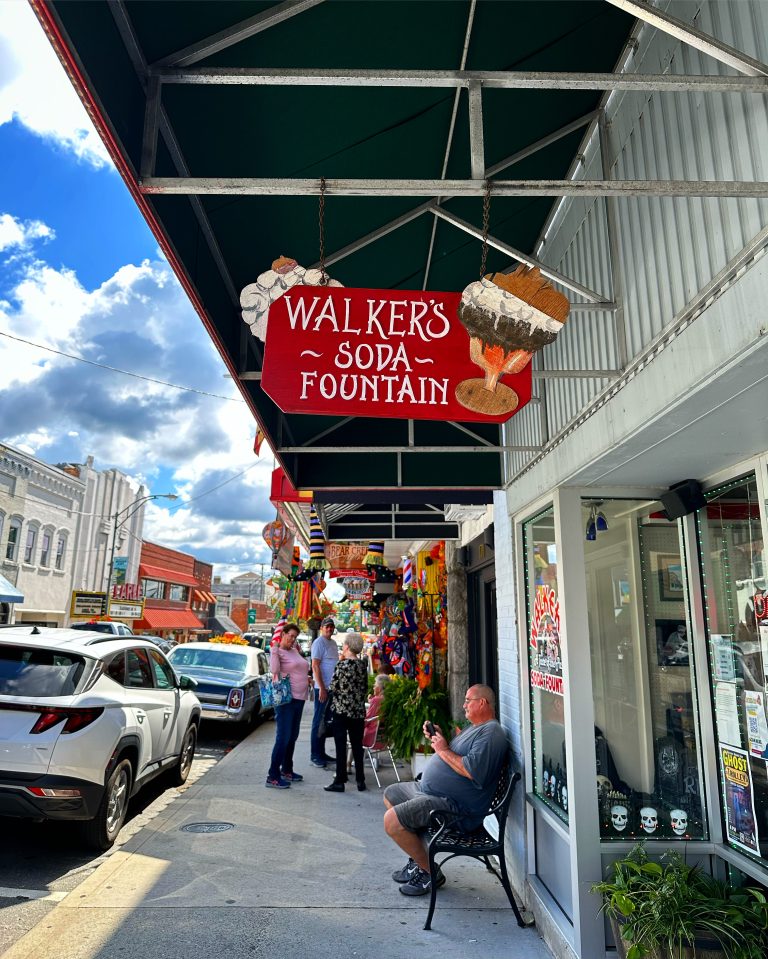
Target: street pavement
point(301, 872)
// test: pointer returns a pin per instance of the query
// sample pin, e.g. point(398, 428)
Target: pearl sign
point(379, 353)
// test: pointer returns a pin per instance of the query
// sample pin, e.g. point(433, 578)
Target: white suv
point(87, 719)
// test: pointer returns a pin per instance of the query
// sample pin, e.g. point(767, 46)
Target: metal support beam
point(612, 220)
point(407, 449)
point(449, 138)
point(476, 145)
point(266, 186)
point(487, 79)
point(523, 154)
point(151, 127)
point(547, 271)
point(234, 34)
point(475, 436)
point(693, 37)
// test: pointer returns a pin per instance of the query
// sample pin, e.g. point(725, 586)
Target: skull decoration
point(564, 799)
point(619, 817)
point(545, 781)
point(552, 786)
point(679, 820)
point(649, 819)
point(603, 785)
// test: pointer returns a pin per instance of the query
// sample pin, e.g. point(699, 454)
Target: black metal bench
point(444, 836)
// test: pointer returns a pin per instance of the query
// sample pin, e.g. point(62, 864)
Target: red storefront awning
point(201, 596)
point(167, 619)
point(166, 575)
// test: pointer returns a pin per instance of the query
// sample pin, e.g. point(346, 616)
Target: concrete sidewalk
point(303, 872)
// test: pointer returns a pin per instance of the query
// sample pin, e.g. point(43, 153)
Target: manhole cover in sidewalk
point(207, 827)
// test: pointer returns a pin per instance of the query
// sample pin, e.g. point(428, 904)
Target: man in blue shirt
point(325, 655)
point(460, 778)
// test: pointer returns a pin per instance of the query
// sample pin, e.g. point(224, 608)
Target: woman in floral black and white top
point(349, 688)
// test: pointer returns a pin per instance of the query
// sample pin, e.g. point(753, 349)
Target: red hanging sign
point(387, 353)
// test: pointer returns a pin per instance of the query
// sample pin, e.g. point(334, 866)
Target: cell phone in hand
point(430, 728)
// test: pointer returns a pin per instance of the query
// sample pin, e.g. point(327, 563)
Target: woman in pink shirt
point(286, 660)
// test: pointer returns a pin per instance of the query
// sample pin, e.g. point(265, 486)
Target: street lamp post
point(120, 518)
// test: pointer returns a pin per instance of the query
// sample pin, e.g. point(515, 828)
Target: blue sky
point(80, 273)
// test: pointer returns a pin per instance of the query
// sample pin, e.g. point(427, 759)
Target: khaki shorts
point(413, 807)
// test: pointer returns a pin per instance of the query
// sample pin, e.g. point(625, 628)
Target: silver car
point(227, 678)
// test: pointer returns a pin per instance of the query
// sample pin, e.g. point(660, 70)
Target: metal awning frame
point(177, 69)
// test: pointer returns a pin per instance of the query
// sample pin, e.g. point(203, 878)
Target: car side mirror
point(187, 682)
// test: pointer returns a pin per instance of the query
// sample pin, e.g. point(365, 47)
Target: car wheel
point(179, 774)
point(101, 831)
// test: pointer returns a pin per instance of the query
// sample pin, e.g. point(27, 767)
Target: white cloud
point(35, 90)
point(19, 234)
point(139, 319)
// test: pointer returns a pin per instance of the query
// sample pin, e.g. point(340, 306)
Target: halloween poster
point(740, 820)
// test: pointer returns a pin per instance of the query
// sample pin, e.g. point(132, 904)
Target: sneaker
point(293, 777)
point(320, 763)
point(404, 874)
point(420, 885)
point(277, 783)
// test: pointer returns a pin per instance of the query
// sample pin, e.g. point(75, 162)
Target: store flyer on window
point(757, 728)
point(740, 820)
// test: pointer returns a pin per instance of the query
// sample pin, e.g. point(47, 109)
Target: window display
point(545, 663)
point(732, 556)
point(646, 741)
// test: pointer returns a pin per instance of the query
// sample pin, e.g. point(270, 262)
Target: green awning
point(287, 129)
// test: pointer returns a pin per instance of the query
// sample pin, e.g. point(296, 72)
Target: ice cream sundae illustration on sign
point(257, 297)
point(335, 350)
point(508, 317)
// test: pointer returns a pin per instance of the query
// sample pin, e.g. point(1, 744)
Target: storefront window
point(178, 593)
point(646, 743)
point(550, 763)
point(733, 559)
point(153, 588)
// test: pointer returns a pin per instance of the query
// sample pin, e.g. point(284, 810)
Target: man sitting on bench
point(459, 779)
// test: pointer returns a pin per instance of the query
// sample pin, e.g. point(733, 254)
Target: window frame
point(15, 525)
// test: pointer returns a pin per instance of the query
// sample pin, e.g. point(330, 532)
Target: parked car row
point(88, 717)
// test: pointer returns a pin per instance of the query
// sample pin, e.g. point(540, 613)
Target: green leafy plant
point(404, 711)
point(663, 910)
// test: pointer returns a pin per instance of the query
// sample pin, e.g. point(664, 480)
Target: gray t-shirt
point(327, 652)
point(483, 749)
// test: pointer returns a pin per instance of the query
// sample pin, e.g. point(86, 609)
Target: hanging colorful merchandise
point(317, 558)
point(375, 555)
point(275, 534)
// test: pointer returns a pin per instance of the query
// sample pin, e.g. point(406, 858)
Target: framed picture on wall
point(670, 573)
point(672, 642)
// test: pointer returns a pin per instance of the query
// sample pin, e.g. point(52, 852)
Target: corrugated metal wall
point(670, 248)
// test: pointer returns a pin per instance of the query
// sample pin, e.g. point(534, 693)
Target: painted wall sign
point(545, 651)
point(386, 353)
point(346, 555)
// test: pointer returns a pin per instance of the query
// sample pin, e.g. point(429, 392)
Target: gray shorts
point(413, 807)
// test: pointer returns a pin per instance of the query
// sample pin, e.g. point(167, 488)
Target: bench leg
point(433, 891)
point(508, 890)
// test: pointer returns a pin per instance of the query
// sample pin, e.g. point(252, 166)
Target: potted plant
point(674, 911)
point(404, 711)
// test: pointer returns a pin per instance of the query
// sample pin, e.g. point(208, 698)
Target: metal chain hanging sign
point(402, 354)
